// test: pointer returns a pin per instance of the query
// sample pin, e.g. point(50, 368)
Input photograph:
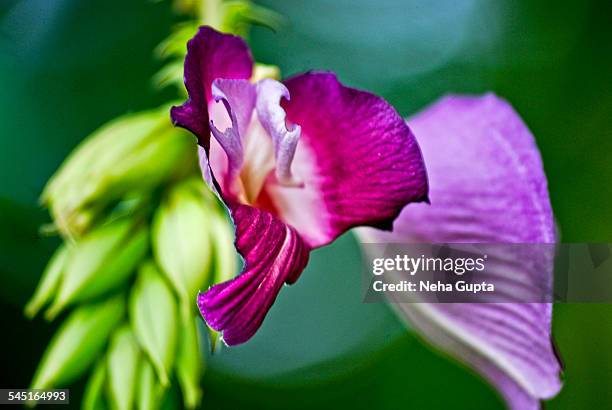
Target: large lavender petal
point(210, 55)
point(273, 254)
point(357, 159)
point(487, 186)
point(450, 337)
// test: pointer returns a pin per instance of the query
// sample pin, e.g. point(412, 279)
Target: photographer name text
point(404, 266)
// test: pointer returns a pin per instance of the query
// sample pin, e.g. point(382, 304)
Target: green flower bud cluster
point(143, 234)
point(124, 160)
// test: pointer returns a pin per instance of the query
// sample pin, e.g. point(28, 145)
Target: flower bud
point(78, 342)
point(225, 256)
point(68, 190)
point(239, 15)
point(134, 153)
point(170, 75)
point(173, 49)
point(49, 281)
point(102, 261)
point(174, 44)
point(189, 362)
point(149, 392)
point(93, 398)
point(225, 260)
point(171, 152)
point(262, 71)
point(122, 365)
point(181, 238)
point(153, 315)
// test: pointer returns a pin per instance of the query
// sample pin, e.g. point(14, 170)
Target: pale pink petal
point(272, 118)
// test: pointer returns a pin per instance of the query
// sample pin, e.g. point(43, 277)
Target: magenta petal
point(487, 185)
point(273, 254)
point(210, 55)
point(358, 160)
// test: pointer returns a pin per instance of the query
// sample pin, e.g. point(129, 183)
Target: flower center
point(256, 139)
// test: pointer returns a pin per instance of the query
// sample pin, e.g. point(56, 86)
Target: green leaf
point(122, 365)
point(153, 314)
point(78, 342)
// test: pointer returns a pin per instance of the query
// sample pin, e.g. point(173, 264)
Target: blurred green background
point(68, 66)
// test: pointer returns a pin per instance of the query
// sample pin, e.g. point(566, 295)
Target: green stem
point(212, 13)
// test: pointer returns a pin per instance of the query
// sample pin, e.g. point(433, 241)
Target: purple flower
point(487, 186)
point(297, 164)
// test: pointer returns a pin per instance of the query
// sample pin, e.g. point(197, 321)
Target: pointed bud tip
point(54, 310)
point(31, 309)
